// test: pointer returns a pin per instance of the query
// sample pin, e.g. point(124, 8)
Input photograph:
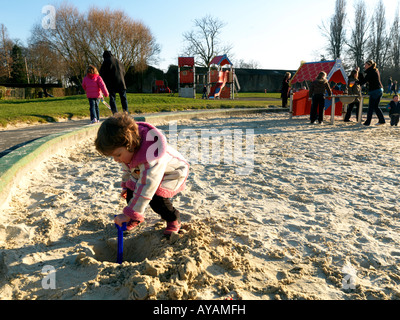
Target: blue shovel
point(120, 242)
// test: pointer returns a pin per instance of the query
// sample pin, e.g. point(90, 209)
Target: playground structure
point(186, 77)
point(221, 80)
point(300, 104)
point(161, 87)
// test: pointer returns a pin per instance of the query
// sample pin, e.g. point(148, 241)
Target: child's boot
point(173, 226)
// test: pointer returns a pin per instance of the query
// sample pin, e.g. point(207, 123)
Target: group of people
point(356, 80)
point(392, 86)
point(107, 82)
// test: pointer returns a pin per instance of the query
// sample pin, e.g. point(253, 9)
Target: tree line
point(369, 35)
point(77, 40)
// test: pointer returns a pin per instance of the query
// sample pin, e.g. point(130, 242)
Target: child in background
point(153, 172)
point(94, 87)
point(317, 92)
point(353, 89)
point(394, 110)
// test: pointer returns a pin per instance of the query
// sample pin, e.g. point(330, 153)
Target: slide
point(216, 90)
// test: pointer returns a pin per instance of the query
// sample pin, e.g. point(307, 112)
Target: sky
point(275, 34)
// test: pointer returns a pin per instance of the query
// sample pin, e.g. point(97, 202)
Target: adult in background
point(353, 89)
point(373, 78)
point(394, 87)
point(285, 91)
point(389, 85)
point(113, 73)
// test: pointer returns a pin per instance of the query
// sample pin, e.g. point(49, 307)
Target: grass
point(76, 107)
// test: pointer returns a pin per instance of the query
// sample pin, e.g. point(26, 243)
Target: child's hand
point(120, 219)
point(124, 194)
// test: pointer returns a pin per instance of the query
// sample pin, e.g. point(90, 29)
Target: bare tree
point(204, 41)
point(80, 39)
point(5, 53)
point(379, 39)
point(68, 39)
point(395, 42)
point(129, 41)
point(336, 33)
point(45, 65)
point(358, 40)
point(252, 64)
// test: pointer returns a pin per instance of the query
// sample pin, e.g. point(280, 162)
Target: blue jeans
point(124, 101)
point(374, 100)
point(94, 109)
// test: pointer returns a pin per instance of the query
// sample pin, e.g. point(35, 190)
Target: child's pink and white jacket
point(156, 168)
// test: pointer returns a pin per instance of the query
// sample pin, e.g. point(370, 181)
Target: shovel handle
point(120, 242)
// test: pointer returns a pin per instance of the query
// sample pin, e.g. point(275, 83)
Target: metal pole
point(333, 110)
point(360, 109)
point(194, 81)
point(179, 80)
point(291, 106)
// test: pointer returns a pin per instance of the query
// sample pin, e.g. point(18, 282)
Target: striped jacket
point(156, 168)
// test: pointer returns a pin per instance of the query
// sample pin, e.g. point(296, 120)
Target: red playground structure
point(186, 77)
point(221, 78)
point(161, 87)
point(300, 104)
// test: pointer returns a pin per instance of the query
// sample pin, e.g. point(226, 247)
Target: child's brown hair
point(120, 130)
point(92, 70)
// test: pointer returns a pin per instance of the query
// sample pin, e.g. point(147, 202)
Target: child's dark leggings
point(161, 206)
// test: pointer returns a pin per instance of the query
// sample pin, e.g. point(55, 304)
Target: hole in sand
point(137, 247)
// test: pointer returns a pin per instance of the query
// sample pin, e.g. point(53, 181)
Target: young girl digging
point(94, 86)
point(153, 172)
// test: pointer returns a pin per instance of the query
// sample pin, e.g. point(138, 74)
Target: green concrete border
point(18, 162)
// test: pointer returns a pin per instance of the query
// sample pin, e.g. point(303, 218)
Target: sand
point(315, 217)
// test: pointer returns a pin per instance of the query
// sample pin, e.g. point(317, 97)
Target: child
point(153, 172)
point(353, 89)
point(94, 86)
point(394, 110)
point(317, 91)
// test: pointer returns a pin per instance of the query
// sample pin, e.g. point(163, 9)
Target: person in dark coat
point(317, 91)
point(353, 89)
point(373, 78)
point(285, 91)
point(113, 73)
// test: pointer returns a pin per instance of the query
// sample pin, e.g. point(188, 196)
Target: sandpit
point(315, 217)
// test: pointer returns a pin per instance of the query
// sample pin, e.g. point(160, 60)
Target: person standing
point(389, 85)
point(113, 73)
point(285, 91)
point(353, 89)
point(394, 87)
point(317, 91)
point(204, 92)
point(375, 87)
point(94, 87)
